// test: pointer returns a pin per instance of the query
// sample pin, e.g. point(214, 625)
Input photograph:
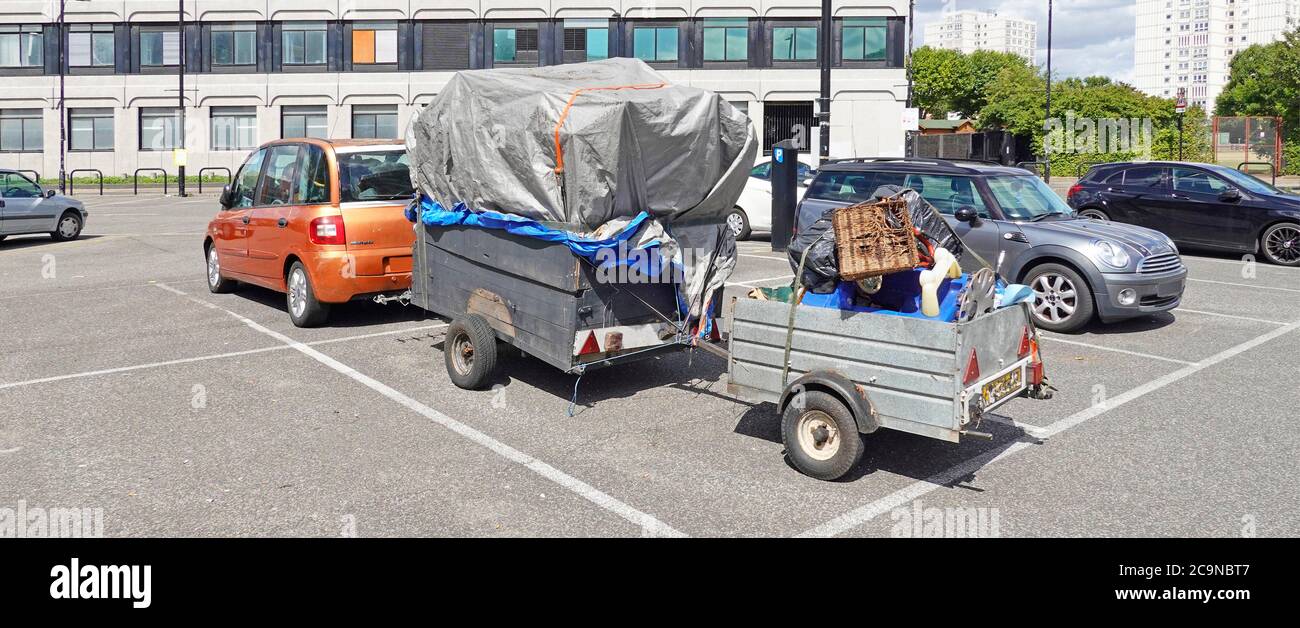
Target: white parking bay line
point(647, 523)
point(770, 258)
point(863, 514)
point(1233, 316)
point(205, 358)
point(749, 284)
point(1114, 350)
point(1244, 285)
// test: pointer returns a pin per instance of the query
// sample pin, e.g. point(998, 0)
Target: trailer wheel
point(470, 352)
point(820, 436)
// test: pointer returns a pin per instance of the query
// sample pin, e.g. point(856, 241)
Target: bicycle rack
point(135, 179)
point(1273, 171)
point(213, 169)
point(73, 174)
point(35, 173)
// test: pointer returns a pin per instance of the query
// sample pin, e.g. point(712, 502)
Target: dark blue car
point(1202, 206)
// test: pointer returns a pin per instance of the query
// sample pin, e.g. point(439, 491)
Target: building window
point(21, 46)
point(234, 44)
point(726, 39)
point(586, 40)
point(654, 44)
point(864, 39)
point(511, 44)
point(794, 43)
point(160, 48)
point(374, 121)
point(90, 46)
point(304, 43)
point(234, 128)
point(159, 127)
point(20, 131)
point(374, 43)
point(91, 129)
point(300, 121)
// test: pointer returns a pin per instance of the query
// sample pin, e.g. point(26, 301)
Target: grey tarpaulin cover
point(628, 141)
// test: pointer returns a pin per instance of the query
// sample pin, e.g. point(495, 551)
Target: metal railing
point(35, 174)
point(135, 179)
point(213, 169)
point(73, 174)
point(1272, 170)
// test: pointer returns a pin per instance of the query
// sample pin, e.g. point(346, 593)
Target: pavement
point(126, 386)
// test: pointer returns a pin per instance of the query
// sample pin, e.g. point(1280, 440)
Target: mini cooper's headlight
point(1111, 253)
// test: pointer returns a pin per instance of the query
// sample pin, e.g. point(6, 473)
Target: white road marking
point(10, 451)
point(863, 514)
point(770, 258)
point(749, 284)
point(1244, 285)
point(99, 289)
point(1114, 350)
point(648, 523)
point(1234, 316)
point(205, 358)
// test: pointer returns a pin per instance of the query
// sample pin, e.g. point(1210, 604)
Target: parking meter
point(785, 192)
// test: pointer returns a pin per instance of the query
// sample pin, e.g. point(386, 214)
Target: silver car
point(26, 207)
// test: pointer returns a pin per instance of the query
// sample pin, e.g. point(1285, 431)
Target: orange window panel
point(363, 46)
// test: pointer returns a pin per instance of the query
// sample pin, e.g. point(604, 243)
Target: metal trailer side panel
point(537, 295)
point(907, 366)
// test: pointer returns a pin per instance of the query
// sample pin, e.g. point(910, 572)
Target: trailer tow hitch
point(403, 298)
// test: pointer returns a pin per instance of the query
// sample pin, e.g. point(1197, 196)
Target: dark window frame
point(233, 29)
point(151, 112)
point(374, 114)
point(21, 34)
point(533, 38)
point(94, 129)
point(13, 114)
point(302, 26)
point(214, 114)
point(319, 110)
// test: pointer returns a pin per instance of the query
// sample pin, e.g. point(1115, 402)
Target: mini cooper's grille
point(1160, 263)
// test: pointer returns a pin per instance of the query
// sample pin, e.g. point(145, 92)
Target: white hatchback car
point(754, 207)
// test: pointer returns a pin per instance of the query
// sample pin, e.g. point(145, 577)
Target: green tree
point(980, 69)
point(936, 76)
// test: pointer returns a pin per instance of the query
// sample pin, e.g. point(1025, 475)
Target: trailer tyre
point(470, 352)
point(820, 436)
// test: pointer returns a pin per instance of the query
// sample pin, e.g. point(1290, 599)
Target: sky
point(1089, 37)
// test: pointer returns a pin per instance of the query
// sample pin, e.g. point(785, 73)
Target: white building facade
point(1187, 45)
point(259, 70)
point(968, 31)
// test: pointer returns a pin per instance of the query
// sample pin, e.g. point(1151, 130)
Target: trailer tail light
point(327, 230)
point(1026, 344)
point(591, 345)
point(972, 370)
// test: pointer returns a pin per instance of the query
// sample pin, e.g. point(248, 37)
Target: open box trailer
point(851, 373)
point(848, 373)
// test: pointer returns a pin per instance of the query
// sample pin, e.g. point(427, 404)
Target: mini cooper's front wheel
point(1062, 300)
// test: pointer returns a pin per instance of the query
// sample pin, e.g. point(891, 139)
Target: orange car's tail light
point(327, 230)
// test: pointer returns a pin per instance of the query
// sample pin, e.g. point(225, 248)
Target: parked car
point(26, 207)
point(754, 207)
point(1197, 205)
point(319, 220)
point(1079, 268)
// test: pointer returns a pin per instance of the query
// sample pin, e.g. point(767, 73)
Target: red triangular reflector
point(972, 370)
point(1025, 344)
point(591, 345)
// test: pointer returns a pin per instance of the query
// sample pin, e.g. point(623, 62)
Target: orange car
point(319, 220)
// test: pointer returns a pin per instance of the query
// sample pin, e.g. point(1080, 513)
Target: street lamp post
point(63, 117)
point(1047, 155)
point(180, 131)
point(824, 102)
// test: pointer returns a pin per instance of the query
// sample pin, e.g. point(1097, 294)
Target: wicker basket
point(874, 238)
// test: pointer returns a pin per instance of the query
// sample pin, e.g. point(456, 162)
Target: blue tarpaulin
point(432, 213)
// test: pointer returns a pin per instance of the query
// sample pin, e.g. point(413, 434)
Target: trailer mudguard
point(835, 383)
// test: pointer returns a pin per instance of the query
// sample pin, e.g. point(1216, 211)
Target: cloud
point(1089, 37)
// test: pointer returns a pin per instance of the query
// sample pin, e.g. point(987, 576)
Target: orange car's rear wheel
point(300, 298)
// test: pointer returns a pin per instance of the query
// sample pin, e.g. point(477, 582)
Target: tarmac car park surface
point(126, 386)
